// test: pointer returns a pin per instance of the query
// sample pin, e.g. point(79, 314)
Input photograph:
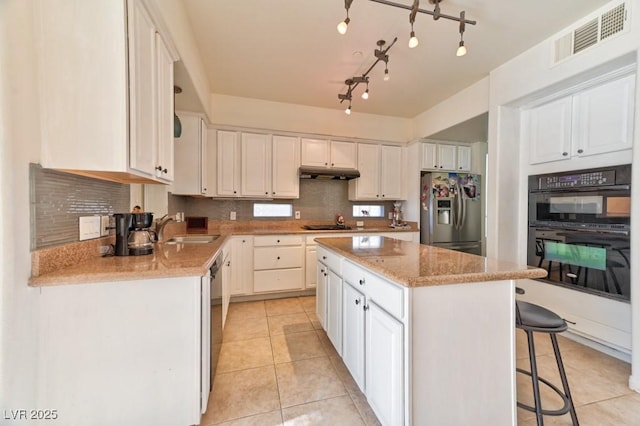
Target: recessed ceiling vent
point(587, 35)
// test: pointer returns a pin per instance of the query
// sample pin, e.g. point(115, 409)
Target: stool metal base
point(568, 406)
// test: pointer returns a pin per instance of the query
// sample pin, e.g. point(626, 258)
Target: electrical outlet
point(89, 227)
point(104, 226)
point(390, 215)
point(232, 216)
point(297, 216)
point(360, 224)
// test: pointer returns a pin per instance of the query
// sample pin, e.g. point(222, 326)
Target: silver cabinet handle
point(324, 257)
point(564, 154)
point(357, 301)
point(580, 151)
point(365, 307)
point(361, 282)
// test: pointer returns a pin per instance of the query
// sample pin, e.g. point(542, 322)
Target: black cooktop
point(325, 227)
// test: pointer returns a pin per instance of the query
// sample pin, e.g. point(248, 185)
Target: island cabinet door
point(384, 365)
point(334, 310)
point(321, 294)
point(353, 341)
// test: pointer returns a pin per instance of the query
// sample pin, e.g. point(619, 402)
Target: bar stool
point(533, 318)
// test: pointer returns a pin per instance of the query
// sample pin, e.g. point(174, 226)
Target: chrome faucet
point(162, 222)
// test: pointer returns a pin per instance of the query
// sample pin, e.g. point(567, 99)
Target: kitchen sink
point(192, 239)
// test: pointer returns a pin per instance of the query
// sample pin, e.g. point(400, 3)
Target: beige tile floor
point(277, 367)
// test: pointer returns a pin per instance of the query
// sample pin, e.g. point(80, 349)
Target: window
point(272, 210)
point(368, 211)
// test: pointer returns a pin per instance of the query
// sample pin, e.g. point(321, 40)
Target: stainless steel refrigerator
point(451, 211)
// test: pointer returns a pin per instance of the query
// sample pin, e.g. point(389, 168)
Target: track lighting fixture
point(414, 9)
point(380, 55)
point(413, 40)
point(344, 25)
point(462, 50)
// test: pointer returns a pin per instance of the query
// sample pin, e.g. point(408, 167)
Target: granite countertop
point(167, 260)
point(78, 263)
point(416, 265)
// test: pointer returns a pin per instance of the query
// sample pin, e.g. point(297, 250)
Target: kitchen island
point(427, 333)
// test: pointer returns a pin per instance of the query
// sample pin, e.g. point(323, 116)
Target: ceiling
point(290, 51)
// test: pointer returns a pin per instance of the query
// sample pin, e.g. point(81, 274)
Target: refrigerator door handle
point(463, 210)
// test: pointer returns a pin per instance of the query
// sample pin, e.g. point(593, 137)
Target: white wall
point(464, 105)
point(19, 133)
point(259, 114)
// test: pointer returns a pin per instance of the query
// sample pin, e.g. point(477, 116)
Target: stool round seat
point(537, 318)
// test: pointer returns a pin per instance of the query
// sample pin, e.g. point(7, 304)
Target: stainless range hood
point(307, 172)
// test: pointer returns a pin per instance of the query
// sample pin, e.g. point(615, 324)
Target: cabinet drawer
point(278, 280)
point(277, 240)
point(330, 259)
point(277, 257)
point(386, 294)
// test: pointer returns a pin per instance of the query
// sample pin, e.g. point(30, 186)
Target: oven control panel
point(593, 178)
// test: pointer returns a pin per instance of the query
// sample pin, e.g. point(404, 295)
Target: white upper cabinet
point(325, 153)
point(446, 157)
point(547, 131)
point(256, 165)
point(594, 121)
point(603, 118)
point(382, 175)
point(228, 164)
point(191, 157)
point(286, 161)
point(106, 116)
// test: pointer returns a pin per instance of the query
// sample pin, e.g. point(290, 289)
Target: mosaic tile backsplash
point(320, 200)
point(58, 199)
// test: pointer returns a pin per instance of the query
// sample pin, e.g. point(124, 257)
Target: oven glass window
point(579, 204)
point(578, 255)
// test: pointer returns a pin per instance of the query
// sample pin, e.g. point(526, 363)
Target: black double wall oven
point(579, 226)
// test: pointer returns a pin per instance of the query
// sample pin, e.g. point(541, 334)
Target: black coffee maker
point(133, 237)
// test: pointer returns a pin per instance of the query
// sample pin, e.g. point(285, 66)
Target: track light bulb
point(348, 110)
point(413, 41)
point(386, 74)
point(343, 26)
point(462, 50)
point(365, 94)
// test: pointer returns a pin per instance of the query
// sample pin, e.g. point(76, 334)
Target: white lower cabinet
point(278, 263)
point(353, 332)
point(242, 265)
point(334, 310)
point(321, 293)
point(384, 347)
point(373, 340)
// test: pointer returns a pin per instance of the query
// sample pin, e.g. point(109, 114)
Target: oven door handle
point(593, 231)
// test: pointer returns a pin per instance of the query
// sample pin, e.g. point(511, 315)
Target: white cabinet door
point(226, 284)
point(315, 152)
point(334, 310)
point(190, 156)
point(353, 332)
point(256, 165)
point(343, 155)
point(322, 274)
point(367, 186)
point(547, 131)
point(286, 161)
point(165, 108)
point(311, 280)
point(603, 118)
point(447, 157)
point(384, 361)
point(143, 116)
point(228, 164)
point(391, 173)
point(241, 265)
point(429, 156)
point(464, 159)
